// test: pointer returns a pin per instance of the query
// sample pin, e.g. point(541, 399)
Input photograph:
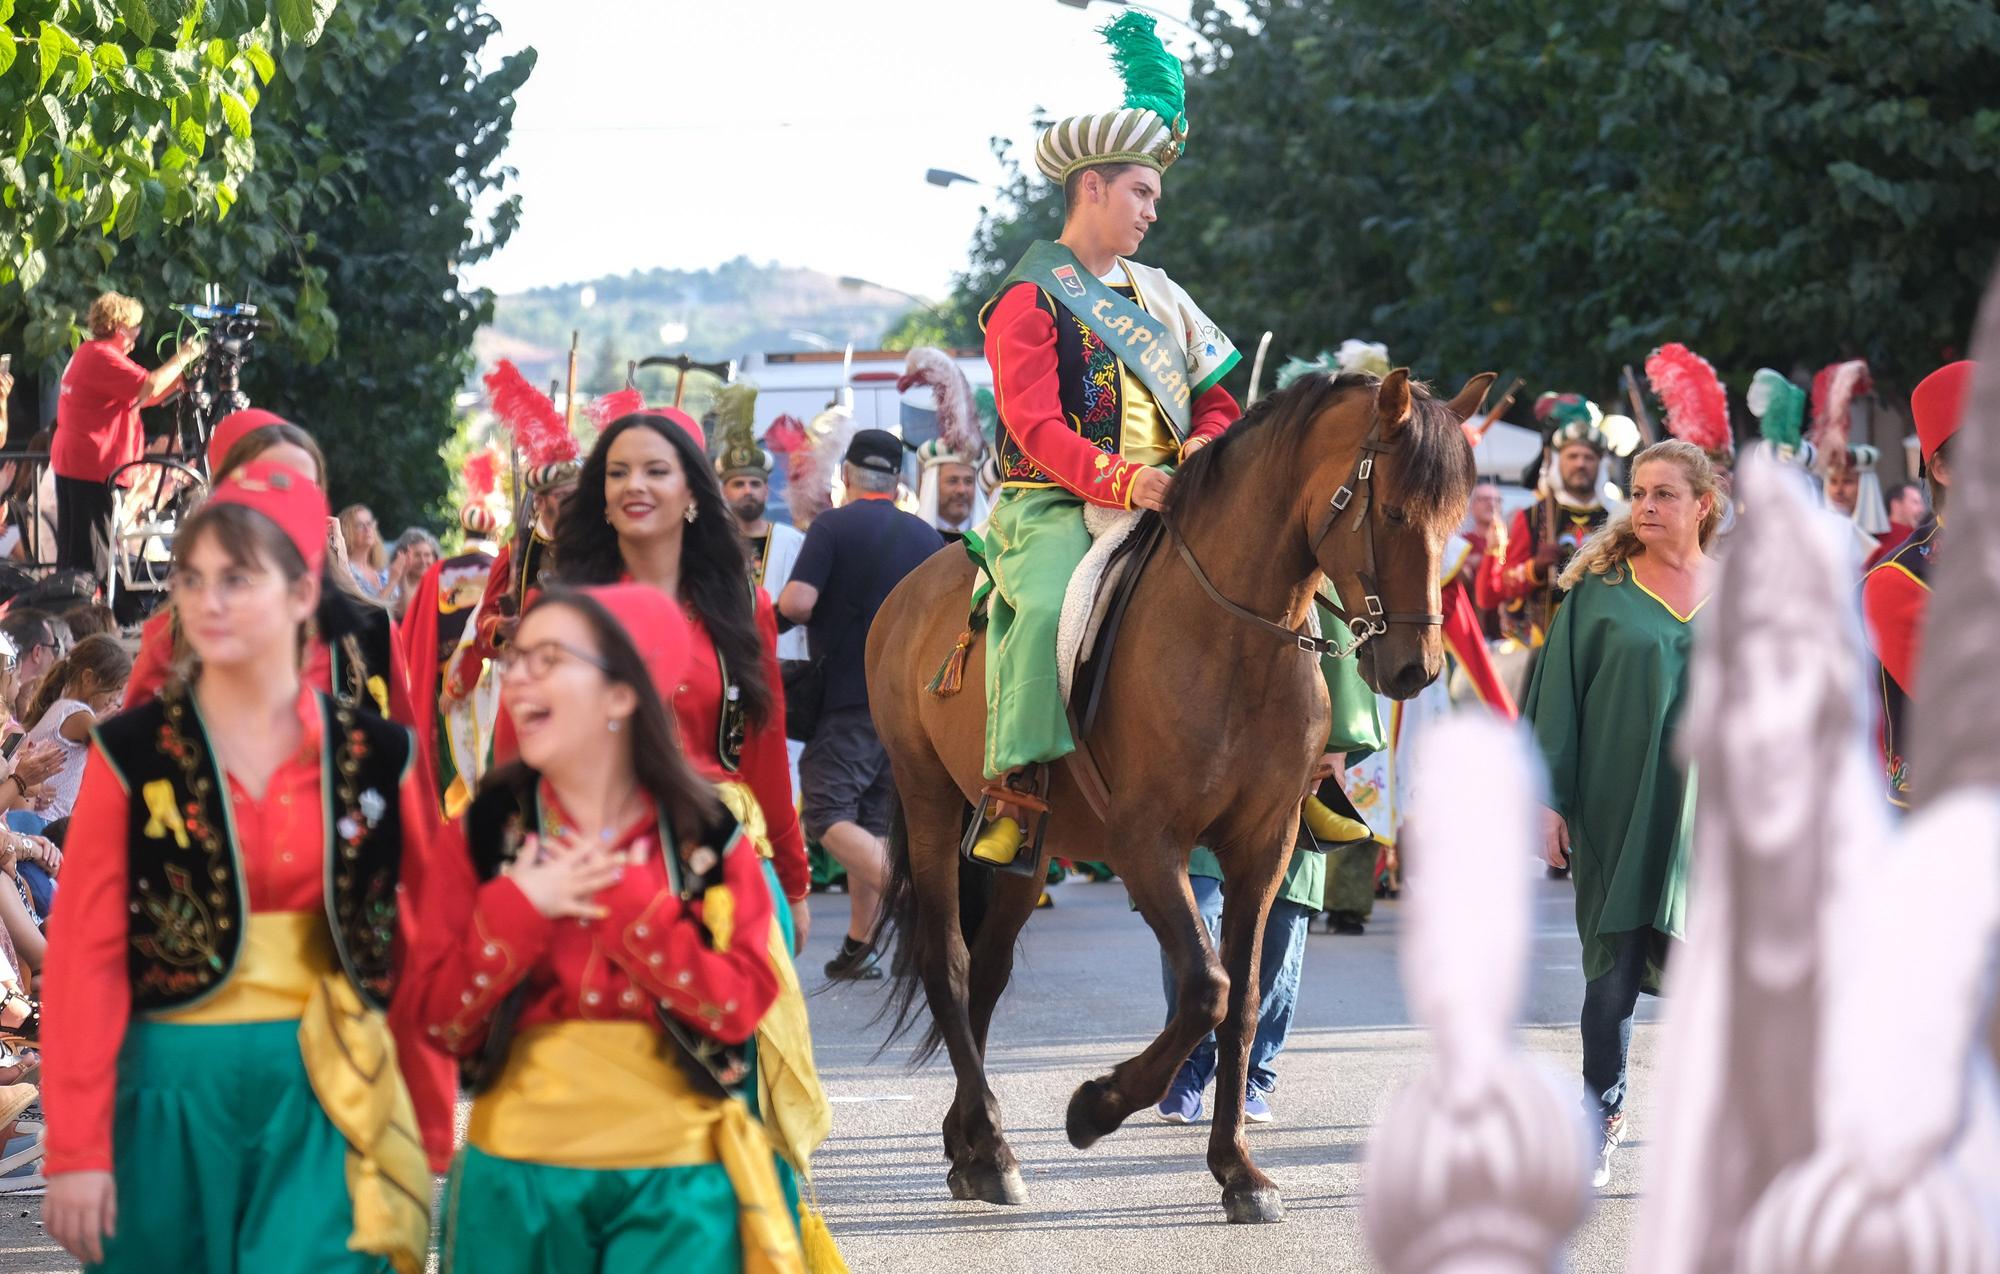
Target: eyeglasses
point(538, 661)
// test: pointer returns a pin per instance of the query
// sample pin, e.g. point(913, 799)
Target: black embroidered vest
point(496, 827)
point(358, 636)
point(1914, 558)
point(1086, 378)
point(187, 896)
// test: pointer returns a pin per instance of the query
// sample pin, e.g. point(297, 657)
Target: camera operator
point(97, 427)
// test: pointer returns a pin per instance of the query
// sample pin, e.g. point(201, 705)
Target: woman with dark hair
point(230, 935)
point(648, 509)
point(352, 652)
point(28, 536)
point(598, 959)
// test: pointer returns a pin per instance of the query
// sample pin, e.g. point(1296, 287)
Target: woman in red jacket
point(228, 937)
point(648, 509)
point(601, 956)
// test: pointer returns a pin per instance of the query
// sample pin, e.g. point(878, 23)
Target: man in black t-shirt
point(852, 558)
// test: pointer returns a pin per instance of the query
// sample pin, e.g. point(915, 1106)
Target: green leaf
point(7, 51)
point(34, 265)
point(128, 213)
point(303, 20)
point(53, 44)
point(260, 60)
point(109, 57)
point(138, 19)
point(236, 115)
point(192, 137)
point(86, 71)
point(225, 197)
point(56, 116)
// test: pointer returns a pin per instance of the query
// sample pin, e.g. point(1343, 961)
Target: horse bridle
point(1375, 618)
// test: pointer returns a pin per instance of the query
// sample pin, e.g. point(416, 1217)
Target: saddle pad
point(1081, 614)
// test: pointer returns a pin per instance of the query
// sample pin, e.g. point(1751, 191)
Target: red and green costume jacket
point(1071, 414)
point(1894, 597)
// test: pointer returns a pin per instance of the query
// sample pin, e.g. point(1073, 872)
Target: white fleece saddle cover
point(1090, 590)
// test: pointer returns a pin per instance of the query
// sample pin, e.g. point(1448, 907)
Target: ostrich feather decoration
point(527, 413)
point(1370, 357)
point(1153, 77)
point(1779, 406)
point(611, 406)
point(1833, 393)
point(957, 418)
point(1621, 434)
point(812, 469)
point(1697, 405)
point(481, 474)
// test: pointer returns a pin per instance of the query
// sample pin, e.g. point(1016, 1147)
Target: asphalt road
point(1086, 995)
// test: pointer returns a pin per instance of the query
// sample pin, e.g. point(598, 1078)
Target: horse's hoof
point(1260, 1206)
point(1084, 1125)
point(988, 1185)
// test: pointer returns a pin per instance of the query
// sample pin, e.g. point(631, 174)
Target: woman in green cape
point(1605, 702)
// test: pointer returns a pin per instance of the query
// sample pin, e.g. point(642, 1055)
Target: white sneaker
point(1614, 1132)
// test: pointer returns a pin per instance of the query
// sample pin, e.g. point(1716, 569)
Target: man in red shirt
point(1896, 594)
point(97, 427)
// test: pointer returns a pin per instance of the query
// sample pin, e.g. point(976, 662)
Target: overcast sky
point(682, 134)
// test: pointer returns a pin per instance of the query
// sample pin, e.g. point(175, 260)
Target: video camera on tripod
point(213, 384)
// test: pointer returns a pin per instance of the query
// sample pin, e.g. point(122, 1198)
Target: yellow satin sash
point(283, 956)
point(606, 1096)
point(796, 1113)
point(286, 970)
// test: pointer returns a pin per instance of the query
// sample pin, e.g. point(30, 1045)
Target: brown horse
point(1210, 725)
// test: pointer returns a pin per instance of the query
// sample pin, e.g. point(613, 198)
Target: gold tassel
point(951, 678)
point(822, 1255)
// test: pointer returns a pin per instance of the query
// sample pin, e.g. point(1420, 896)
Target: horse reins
point(1376, 618)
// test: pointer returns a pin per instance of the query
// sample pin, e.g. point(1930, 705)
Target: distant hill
point(727, 312)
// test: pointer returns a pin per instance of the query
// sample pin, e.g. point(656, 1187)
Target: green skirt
point(503, 1215)
point(224, 1161)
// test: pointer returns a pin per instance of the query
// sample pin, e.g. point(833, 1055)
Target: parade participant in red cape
point(1907, 509)
point(1896, 593)
point(445, 601)
point(247, 855)
point(1485, 532)
point(599, 957)
point(547, 452)
point(648, 509)
point(97, 427)
point(1106, 374)
point(1519, 578)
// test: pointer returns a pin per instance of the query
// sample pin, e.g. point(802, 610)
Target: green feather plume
point(1780, 408)
point(1152, 75)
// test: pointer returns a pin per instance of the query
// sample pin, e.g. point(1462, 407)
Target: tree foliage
point(118, 117)
point(377, 174)
point(1556, 186)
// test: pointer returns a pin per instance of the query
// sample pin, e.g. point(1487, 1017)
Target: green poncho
point(1604, 704)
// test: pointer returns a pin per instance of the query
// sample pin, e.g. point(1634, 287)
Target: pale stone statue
point(1480, 1163)
point(1904, 1173)
point(1775, 722)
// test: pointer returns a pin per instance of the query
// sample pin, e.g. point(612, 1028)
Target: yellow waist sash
point(606, 1096)
point(283, 957)
point(286, 970)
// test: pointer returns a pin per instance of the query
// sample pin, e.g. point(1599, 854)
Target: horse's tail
point(898, 920)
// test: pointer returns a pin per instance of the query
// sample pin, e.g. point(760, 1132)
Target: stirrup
point(1027, 861)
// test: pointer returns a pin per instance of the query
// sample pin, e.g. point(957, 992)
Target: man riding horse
point(1106, 374)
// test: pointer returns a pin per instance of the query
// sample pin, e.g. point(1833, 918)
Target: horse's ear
point(1473, 396)
point(1392, 399)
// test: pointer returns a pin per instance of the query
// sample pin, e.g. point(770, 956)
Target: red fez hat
point(1937, 405)
point(656, 626)
point(285, 496)
point(686, 422)
point(231, 428)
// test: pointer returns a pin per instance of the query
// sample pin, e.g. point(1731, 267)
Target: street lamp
point(945, 177)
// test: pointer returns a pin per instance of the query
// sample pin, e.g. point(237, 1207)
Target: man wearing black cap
point(853, 556)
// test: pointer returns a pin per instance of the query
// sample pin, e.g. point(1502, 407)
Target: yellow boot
point(1329, 826)
point(999, 844)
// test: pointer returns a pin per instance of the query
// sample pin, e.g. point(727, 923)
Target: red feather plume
point(1834, 390)
point(482, 474)
point(611, 406)
point(1697, 405)
point(539, 429)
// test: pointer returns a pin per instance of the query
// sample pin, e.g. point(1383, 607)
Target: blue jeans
point(1608, 1003)
point(1284, 957)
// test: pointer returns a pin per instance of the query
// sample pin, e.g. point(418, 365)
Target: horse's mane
point(1433, 465)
